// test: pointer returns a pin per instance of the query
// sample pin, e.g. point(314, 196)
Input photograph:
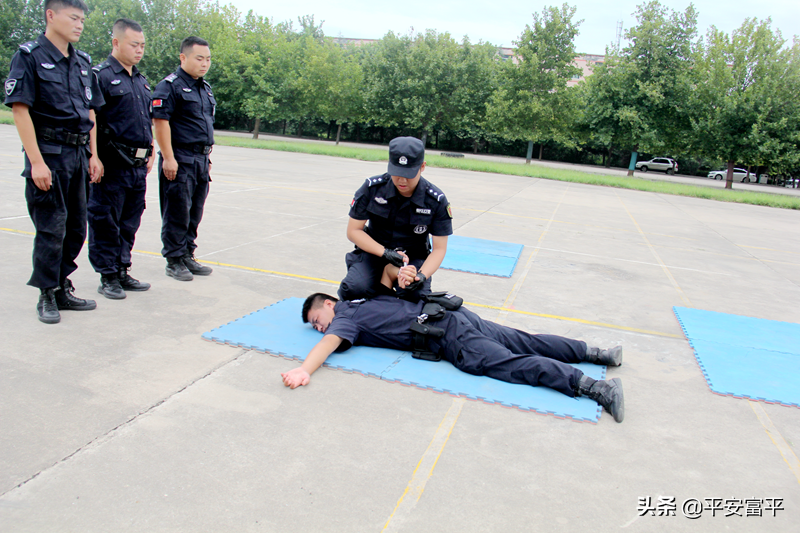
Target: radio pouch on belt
point(449, 301)
point(422, 330)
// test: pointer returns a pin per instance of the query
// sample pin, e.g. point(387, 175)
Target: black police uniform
point(124, 141)
point(395, 222)
point(59, 91)
point(471, 344)
point(189, 105)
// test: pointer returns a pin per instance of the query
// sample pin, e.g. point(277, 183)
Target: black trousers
point(115, 212)
point(484, 348)
point(59, 214)
point(182, 202)
point(363, 278)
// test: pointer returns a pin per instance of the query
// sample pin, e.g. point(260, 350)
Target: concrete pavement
point(124, 419)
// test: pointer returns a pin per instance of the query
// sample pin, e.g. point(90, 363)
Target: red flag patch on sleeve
point(157, 103)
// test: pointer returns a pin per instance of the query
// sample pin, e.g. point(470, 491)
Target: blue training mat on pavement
point(279, 329)
point(481, 256)
point(745, 357)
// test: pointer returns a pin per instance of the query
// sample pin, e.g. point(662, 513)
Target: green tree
point(533, 101)
point(330, 83)
point(20, 21)
point(747, 98)
point(410, 81)
point(640, 97)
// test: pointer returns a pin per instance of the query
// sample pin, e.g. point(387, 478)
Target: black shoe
point(47, 308)
point(110, 287)
point(66, 301)
point(130, 284)
point(176, 269)
point(610, 357)
point(195, 267)
point(606, 393)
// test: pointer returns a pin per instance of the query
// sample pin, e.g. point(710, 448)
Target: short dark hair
point(123, 24)
point(57, 5)
point(315, 301)
point(189, 42)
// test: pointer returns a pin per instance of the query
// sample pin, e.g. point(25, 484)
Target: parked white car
point(663, 164)
point(739, 174)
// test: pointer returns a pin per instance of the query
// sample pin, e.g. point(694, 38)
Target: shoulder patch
point(376, 180)
point(29, 47)
point(435, 193)
point(101, 66)
point(171, 77)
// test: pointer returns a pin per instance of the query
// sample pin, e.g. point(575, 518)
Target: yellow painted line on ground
point(332, 282)
point(658, 257)
point(424, 470)
point(767, 249)
point(580, 321)
point(18, 231)
point(518, 285)
point(777, 439)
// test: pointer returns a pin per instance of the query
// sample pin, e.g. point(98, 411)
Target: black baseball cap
point(406, 155)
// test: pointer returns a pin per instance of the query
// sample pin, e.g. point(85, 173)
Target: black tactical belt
point(64, 137)
point(204, 149)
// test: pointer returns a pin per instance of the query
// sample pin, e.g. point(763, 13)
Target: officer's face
point(196, 61)
point(66, 23)
point(321, 317)
point(407, 186)
point(129, 47)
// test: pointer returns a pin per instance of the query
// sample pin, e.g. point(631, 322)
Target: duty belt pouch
point(449, 301)
point(421, 333)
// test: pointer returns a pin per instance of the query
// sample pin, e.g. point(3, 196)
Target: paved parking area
point(124, 419)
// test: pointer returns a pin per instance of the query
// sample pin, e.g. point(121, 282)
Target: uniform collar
point(117, 67)
point(188, 79)
point(54, 53)
point(417, 197)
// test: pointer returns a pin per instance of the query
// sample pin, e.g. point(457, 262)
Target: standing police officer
point(125, 144)
point(53, 95)
point(391, 217)
point(183, 109)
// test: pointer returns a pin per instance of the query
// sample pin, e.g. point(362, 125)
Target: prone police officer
point(53, 96)
point(125, 145)
point(391, 219)
point(183, 111)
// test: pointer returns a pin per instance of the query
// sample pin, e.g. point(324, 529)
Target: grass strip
point(533, 171)
point(6, 117)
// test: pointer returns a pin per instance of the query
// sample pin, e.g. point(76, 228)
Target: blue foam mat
point(279, 329)
point(745, 357)
point(481, 256)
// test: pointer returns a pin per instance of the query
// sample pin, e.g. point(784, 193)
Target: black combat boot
point(598, 356)
point(176, 269)
point(47, 308)
point(606, 393)
point(66, 301)
point(196, 268)
point(110, 287)
point(129, 283)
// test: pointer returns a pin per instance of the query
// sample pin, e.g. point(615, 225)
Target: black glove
point(416, 284)
point(393, 257)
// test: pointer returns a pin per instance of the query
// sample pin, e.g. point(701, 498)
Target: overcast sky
point(501, 22)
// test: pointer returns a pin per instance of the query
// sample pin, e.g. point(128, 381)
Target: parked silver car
point(739, 174)
point(664, 164)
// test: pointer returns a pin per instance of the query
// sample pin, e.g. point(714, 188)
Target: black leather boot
point(129, 283)
point(66, 301)
point(47, 308)
point(176, 269)
point(598, 356)
point(606, 393)
point(110, 287)
point(196, 268)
